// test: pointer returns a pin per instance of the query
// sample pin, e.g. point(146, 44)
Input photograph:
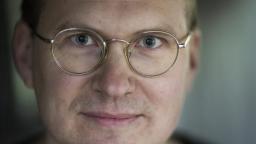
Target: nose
point(114, 78)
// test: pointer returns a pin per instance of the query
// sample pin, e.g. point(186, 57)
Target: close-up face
point(113, 104)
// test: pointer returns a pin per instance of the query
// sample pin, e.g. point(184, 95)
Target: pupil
point(150, 42)
point(82, 39)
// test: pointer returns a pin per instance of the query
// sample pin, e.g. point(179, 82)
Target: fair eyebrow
point(163, 27)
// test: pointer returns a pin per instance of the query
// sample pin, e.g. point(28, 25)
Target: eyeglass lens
point(80, 51)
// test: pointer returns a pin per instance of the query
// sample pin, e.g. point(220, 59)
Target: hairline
point(190, 13)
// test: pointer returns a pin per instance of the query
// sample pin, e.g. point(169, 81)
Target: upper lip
point(107, 115)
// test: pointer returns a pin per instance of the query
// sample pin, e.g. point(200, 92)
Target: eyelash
point(142, 40)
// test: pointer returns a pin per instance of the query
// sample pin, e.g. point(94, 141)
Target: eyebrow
point(161, 27)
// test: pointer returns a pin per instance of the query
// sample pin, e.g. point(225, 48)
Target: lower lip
point(110, 122)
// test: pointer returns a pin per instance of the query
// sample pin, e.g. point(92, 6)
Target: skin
point(113, 88)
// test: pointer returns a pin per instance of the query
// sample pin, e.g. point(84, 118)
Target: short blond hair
point(191, 13)
point(31, 10)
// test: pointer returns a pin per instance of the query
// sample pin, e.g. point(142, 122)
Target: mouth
point(110, 119)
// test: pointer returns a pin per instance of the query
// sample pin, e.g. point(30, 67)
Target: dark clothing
point(187, 139)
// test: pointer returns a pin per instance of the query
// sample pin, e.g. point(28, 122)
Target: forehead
point(114, 15)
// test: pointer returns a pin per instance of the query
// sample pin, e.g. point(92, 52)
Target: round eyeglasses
point(79, 51)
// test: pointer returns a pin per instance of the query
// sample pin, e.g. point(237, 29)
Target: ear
point(22, 52)
point(194, 56)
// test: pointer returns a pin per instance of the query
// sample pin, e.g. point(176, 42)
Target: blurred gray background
point(221, 108)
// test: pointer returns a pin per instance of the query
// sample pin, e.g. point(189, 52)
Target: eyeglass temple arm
point(42, 38)
point(184, 45)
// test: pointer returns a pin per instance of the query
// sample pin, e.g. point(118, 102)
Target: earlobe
point(22, 52)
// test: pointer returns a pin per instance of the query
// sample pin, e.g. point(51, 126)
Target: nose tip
point(114, 83)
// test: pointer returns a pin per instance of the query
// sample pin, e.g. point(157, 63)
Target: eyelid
point(73, 39)
point(140, 40)
point(162, 39)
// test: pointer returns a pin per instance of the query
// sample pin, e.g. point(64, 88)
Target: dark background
point(6, 95)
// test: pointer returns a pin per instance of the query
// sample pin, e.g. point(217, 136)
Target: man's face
point(112, 105)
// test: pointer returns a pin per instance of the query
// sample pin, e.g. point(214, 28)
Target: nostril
point(98, 91)
point(127, 93)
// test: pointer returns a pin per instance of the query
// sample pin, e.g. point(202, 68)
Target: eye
point(150, 42)
point(83, 40)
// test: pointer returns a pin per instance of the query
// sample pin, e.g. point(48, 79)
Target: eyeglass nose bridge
point(118, 40)
point(126, 51)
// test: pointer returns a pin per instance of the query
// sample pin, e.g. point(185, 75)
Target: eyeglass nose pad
point(129, 52)
point(102, 53)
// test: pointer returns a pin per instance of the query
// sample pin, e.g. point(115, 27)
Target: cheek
point(169, 89)
point(55, 92)
point(166, 96)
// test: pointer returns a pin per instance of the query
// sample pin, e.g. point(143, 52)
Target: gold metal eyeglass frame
point(105, 50)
